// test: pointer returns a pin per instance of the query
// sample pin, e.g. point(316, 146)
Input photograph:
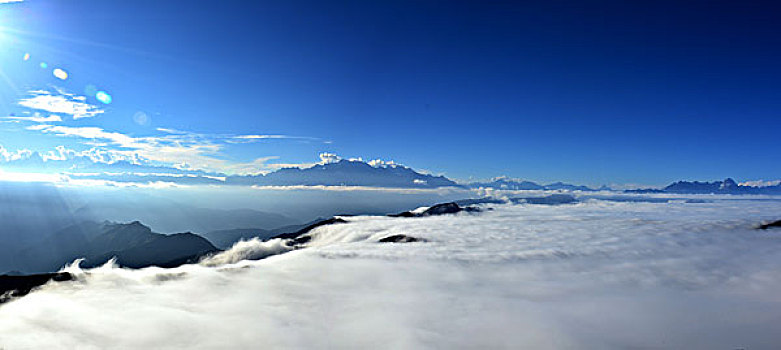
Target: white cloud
point(761, 183)
point(60, 102)
point(8, 156)
point(326, 158)
point(253, 249)
point(172, 150)
point(10, 1)
point(30, 177)
point(379, 163)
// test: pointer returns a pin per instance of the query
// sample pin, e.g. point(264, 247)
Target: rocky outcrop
point(401, 239)
point(16, 286)
point(768, 225)
point(439, 209)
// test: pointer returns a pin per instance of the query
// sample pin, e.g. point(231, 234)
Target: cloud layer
point(592, 275)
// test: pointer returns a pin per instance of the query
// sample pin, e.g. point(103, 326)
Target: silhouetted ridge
point(12, 286)
point(133, 244)
point(774, 224)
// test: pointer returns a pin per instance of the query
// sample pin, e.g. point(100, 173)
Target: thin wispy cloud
point(182, 150)
point(60, 102)
point(36, 118)
point(88, 132)
point(255, 138)
point(172, 131)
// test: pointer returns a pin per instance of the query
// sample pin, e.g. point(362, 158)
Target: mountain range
point(727, 186)
point(345, 173)
point(504, 183)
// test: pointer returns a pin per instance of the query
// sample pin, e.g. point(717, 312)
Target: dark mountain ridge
point(132, 244)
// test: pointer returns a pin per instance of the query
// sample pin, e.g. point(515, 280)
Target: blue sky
point(604, 92)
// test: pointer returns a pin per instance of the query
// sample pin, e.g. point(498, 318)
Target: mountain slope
point(224, 239)
point(133, 244)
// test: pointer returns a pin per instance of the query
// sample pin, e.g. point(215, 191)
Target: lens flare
point(141, 118)
point(26, 57)
point(103, 96)
point(44, 65)
point(90, 90)
point(60, 74)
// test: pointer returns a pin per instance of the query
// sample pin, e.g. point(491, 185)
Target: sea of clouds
point(596, 275)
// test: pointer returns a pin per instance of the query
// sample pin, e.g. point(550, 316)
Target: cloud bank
point(592, 275)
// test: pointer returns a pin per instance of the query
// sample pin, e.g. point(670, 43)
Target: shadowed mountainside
point(132, 244)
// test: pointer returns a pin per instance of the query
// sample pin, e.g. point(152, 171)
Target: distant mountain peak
point(347, 172)
point(507, 183)
point(133, 225)
point(727, 186)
